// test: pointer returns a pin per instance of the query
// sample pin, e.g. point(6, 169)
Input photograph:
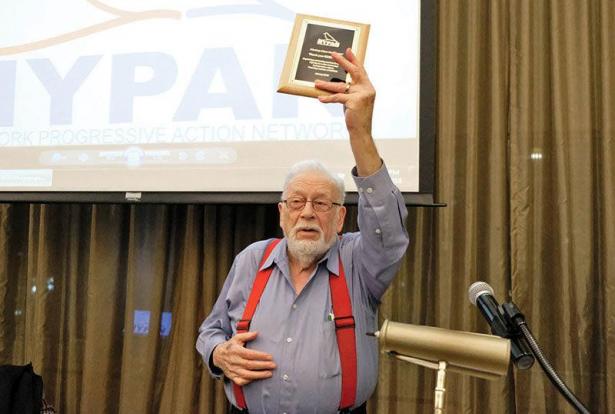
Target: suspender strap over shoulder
point(344, 327)
point(346, 340)
point(260, 281)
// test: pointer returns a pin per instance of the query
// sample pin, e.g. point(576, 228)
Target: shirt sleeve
point(383, 237)
point(216, 329)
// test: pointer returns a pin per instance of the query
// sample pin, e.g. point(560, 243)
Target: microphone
point(479, 355)
point(481, 295)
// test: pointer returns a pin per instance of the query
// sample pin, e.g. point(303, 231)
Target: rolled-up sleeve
point(383, 237)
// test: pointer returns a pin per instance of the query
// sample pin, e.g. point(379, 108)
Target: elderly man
point(288, 331)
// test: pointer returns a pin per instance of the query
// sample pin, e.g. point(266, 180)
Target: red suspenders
point(260, 281)
point(344, 331)
point(344, 327)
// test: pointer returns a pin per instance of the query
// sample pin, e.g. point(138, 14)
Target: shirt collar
point(279, 255)
point(333, 258)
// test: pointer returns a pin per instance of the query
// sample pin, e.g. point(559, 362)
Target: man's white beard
point(307, 252)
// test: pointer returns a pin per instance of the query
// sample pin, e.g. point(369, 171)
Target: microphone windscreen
point(478, 288)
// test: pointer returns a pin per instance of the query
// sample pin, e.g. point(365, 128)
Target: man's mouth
point(307, 231)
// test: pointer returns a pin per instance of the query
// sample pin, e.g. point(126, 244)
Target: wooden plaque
point(309, 53)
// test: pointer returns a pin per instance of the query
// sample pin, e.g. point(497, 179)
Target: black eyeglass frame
point(305, 201)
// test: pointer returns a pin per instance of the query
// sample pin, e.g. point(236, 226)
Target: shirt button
point(285, 377)
point(370, 190)
point(289, 339)
point(294, 306)
point(378, 231)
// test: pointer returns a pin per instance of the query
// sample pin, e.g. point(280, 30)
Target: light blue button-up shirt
point(297, 330)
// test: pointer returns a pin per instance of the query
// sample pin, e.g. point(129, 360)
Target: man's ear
point(280, 212)
point(341, 215)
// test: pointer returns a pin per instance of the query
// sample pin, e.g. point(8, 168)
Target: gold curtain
point(76, 280)
point(525, 156)
point(562, 190)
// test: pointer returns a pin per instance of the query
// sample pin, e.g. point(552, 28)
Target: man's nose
point(308, 210)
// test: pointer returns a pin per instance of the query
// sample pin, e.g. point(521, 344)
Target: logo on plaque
point(327, 41)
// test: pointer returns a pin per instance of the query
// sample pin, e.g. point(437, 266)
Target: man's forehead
point(312, 181)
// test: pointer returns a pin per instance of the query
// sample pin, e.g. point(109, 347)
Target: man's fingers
point(244, 373)
point(254, 355)
point(343, 62)
point(240, 353)
point(245, 337)
point(243, 377)
point(254, 375)
point(335, 98)
point(239, 365)
point(258, 365)
point(351, 67)
point(334, 87)
point(352, 58)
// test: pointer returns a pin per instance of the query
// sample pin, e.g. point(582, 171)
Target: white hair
point(315, 166)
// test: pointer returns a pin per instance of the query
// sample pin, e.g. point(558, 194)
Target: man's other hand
point(240, 364)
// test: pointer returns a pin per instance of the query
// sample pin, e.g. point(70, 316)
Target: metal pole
point(440, 390)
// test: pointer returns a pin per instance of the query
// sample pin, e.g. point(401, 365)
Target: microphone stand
point(514, 315)
point(440, 389)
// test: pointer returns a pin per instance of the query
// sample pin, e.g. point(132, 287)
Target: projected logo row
point(136, 156)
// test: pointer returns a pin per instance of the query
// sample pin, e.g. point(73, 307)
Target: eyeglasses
point(321, 206)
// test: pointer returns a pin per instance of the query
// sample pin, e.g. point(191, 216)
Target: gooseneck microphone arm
point(510, 316)
point(518, 320)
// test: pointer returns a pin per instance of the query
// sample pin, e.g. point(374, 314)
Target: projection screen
point(176, 101)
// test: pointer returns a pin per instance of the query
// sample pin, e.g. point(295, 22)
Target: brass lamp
point(479, 355)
